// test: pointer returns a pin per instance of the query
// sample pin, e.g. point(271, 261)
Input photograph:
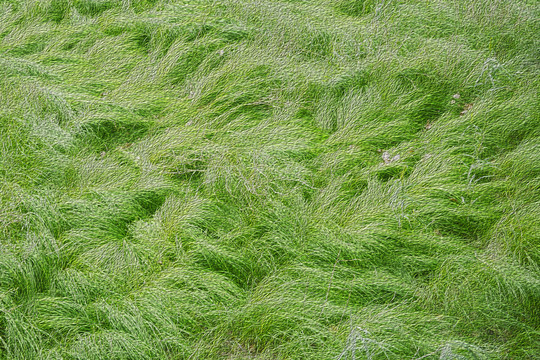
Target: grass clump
point(269, 179)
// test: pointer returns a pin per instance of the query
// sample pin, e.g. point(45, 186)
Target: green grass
point(269, 179)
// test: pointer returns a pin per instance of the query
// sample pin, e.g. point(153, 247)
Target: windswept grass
point(269, 179)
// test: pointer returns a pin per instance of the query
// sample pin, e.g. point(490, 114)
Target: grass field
point(269, 179)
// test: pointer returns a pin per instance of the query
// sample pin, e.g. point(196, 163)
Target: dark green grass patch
point(107, 134)
point(356, 7)
point(93, 7)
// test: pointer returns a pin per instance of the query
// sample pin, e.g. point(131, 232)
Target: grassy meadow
point(269, 179)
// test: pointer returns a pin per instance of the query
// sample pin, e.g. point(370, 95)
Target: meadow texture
point(269, 179)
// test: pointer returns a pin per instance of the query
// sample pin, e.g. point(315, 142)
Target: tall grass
point(252, 179)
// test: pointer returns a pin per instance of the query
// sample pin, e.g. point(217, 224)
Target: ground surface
point(242, 179)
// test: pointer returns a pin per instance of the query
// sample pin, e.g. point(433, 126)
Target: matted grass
point(269, 179)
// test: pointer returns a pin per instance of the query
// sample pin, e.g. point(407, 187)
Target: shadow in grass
point(93, 7)
point(356, 8)
point(107, 134)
